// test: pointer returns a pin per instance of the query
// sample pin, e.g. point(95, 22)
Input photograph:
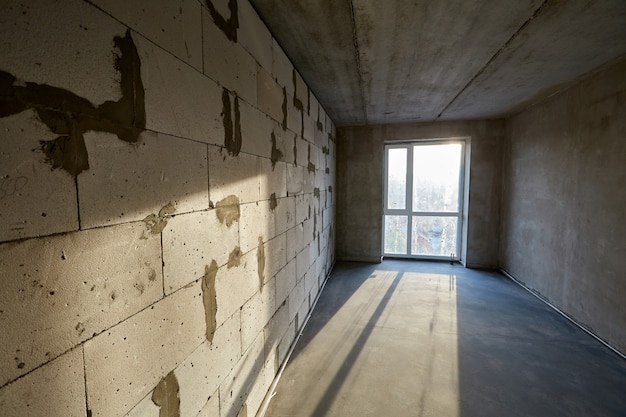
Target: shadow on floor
point(408, 338)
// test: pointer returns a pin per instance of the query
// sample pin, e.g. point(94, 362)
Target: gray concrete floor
point(406, 338)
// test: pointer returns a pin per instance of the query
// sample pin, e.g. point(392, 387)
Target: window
point(423, 199)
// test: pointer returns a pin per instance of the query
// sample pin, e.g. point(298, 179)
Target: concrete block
point(326, 218)
point(322, 203)
point(257, 221)
point(261, 386)
point(311, 282)
point(302, 153)
point(286, 342)
point(308, 181)
point(228, 63)
point(273, 179)
point(127, 182)
point(256, 313)
point(34, 200)
point(232, 175)
point(55, 389)
point(295, 179)
point(315, 289)
point(303, 311)
point(285, 214)
point(200, 375)
point(85, 66)
point(301, 91)
point(275, 330)
point(236, 285)
point(254, 36)
point(282, 69)
point(320, 180)
point(59, 291)
point(175, 26)
point(309, 279)
point(286, 280)
point(308, 128)
point(313, 161)
point(322, 118)
point(314, 109)
point(320, 139)
point(285, 143)
point(256, 131)
point(142, 350)
point(275, 255)
point(295, 241)
point(190, 242)
point(303, 262)
point(212, 407)
point(270, 96)
point(238, 385)
point(320, 266)
point(303, 207)
point(294, 116)
point(307, 231)
point(180, 101)
point(296, 299)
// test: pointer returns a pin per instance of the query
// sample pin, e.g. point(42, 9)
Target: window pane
point(434, 236)
point(395, 234)
point(436, 170)
point(396, 178)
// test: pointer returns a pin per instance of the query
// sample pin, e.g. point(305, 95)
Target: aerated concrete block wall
point(564, 216)
point(360, 152)
point(166, 207)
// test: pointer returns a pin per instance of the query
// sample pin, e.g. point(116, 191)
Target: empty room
point(272, 208)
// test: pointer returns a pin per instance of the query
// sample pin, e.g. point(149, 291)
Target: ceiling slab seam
point(496, 55)
point(357, 57)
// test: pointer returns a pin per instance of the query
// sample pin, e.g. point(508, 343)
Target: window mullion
point(409, 198)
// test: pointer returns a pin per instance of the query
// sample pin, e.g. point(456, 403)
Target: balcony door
point(423, 200)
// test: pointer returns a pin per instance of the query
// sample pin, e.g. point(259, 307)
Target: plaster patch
point(209, 298)
point(277, 154)
point(230, 26)
point(156, 224)
point(297, 103)
point(227, 210)
point(232, 129)
point(234, 259)
point(273, 202)
point(71, 116)
point(311, 166)
point(260, 256)
point(284, 122)
point(166, 396)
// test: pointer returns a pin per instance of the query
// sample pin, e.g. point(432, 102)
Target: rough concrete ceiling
point(372, 61)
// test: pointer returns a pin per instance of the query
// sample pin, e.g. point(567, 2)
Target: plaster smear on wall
point(71, 116)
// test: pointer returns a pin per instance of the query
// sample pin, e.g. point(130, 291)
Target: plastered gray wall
point(166, 207)
point(564, 217)
point(360, 156)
